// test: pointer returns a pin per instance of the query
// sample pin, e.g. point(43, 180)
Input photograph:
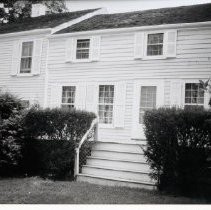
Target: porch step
point(117, 154)
point(122, 147)
point(108, 181)
point(121, 164)
point(120, 173)
point(118, 163)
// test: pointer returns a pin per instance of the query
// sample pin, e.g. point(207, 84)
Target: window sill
point(24, 75)
point(154, 57)
point(81, 61)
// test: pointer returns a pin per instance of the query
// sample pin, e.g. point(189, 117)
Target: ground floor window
point(147, 100)
point(194, 95)
point(68, 97)
point(105, 104)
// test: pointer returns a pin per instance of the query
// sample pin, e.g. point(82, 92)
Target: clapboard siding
point(29, 88)
point(117, 64)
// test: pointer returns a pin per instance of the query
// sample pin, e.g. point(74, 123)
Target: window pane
point(26, 64)
point(154, 50)
point(27, 48)
point(194, 95)
point(82, 51)
point(147, 100)
point(105, 108)
point(155, 38)
point(155, 44)
point(68, 96)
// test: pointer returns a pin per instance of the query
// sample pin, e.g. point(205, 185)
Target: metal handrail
point(84, 138)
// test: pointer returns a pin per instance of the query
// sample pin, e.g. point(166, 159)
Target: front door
point(147, 96)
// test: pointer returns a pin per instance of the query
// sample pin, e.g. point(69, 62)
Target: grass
point(39, 191)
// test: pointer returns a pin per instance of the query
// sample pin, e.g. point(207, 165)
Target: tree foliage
point(14, 10)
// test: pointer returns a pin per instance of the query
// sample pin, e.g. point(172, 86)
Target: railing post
point(96, 132)
point(76, 170)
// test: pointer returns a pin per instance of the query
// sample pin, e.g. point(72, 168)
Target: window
point(106, 100)
point(194, 95)
point(82, 50)
point(147, 100)
point(155, 44)
point(68, 97)
point(26, 57)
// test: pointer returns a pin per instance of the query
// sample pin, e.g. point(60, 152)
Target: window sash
point(68, 97)
point(26, 57)
point(83, 49)
point(106, 104)
point(194, 95)
point(157, 43)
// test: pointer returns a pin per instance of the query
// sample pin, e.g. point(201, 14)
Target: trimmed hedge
point(57, 124)
point(177, 146)
point(51, 136)
point(48, 158)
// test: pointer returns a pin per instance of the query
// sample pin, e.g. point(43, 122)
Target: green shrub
point(9, 103)
point(10, 133)
point(177, 144)
point(48, 158)
point(51, 136)
point(57, 124)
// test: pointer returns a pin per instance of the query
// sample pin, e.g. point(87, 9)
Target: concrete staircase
point(117, 164)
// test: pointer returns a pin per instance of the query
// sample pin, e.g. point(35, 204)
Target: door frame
point(137, 131)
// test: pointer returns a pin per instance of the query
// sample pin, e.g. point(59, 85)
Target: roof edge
point(130, 29)
point(77, 20)
point(29, 32)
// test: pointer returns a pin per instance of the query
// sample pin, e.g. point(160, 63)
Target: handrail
point(94, 122)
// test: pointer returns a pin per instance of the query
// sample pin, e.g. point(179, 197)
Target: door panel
point(147, 96)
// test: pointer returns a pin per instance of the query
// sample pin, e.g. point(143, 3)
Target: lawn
point(38, 191)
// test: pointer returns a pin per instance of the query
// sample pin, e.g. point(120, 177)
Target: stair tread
point(117, 179)
point(125, 143)
point(116, 159)
point(118, 151)
point(117, 169)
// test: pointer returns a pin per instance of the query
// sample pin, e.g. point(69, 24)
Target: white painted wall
point(28, 87)
point(117, 63)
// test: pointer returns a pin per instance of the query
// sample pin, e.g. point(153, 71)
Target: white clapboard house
point(116, 65)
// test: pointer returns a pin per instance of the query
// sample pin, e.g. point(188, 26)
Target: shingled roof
point(42, 22)
point(184, 14)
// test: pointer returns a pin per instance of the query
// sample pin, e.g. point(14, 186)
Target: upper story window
point(106, 101)
point(83, 49)
point(26, 57)
point(194, 95)
point(68, 97)
point(155, 44)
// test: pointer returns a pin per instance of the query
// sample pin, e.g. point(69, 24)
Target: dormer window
point(155, 44)
point(26, 57)
point(83, 48)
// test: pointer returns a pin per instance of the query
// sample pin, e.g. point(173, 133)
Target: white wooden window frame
point(74, 103)
point(104, 125)
point(20, 56)
point(206, 95)
point(75, 60)
point(154, 57)
point(61, 91)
